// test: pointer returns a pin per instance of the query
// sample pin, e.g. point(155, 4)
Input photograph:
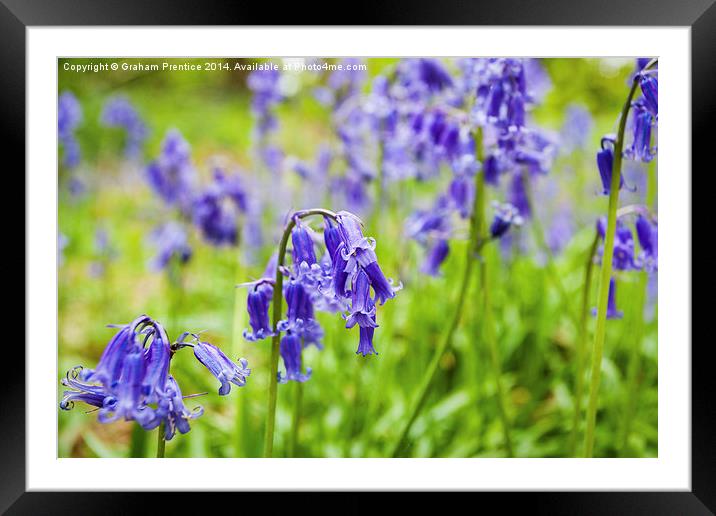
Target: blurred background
point(110, 271)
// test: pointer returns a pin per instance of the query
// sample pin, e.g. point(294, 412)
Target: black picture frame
point(700, 15)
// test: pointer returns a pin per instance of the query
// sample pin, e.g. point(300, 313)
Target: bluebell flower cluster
point(354, 129)
point(345, 278)
point(119, 112)
point(216, 210)
point(626, 257)
point(132, 382)
point(69, 116)
point(495, 92)
point(172, 175)
point(643, 118)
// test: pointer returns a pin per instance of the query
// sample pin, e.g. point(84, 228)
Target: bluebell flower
point(119, 112)
point(362, 309)
point(501, 93)
point(491, 169)
point(647, 234)
point(69, 116)
point(331, 236)
point(462, 192)
point(506, 216)
point(517, 196)
point(642, 122)
point(437, 254)
point(650, 89)
point(265, 87)
point(434, 74)
point(217, 209)
point(623, 248)
point(132, 382)
point(171, 409)
point(93, 395)
point(257, 304)
point(612, 311)
point(641, 62)
point(171, 175)
point(221, 366)
point(365, 343)
point(171, 242)
point(290, 350)
point(301, 320)
point(303, 251)
point(623, 257)
point(605, 164)
point(156, 357)
point(131, 404)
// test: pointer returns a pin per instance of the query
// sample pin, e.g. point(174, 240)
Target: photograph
point(357, 257)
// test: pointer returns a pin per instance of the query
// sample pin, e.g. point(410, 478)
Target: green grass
point(352, 406)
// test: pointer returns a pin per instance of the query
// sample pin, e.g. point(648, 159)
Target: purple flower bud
point(461, 192)
point(362, 308)
point(612, 311)
point(647, 234)
point(223, 368)
point(173, 411)
point(365, 343)
point(434, 75)
point(257, 304)
point(517, 195)
point(302, 245)
point(298, 302)
point(605, 163)
point(435, 257)
point(491, 170)
point(331, 236)
point(128, 392)
point(623, 248)
point(650, 88)
point(506, 216)
point(642, 123)
point(290, 350)
point(157, 357)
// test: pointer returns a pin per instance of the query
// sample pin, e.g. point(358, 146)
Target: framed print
point(416, 258)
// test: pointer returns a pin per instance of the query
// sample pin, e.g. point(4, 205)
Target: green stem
point(582, 344)
point(161, 443)
point(605, 276)
point(477, 224)
point(634, 362)
point(296, 420)
point(277, 310)
point(240, 431)
point(138, 445)
point(489, 333)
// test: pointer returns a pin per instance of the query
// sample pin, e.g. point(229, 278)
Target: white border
point(670, 471)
